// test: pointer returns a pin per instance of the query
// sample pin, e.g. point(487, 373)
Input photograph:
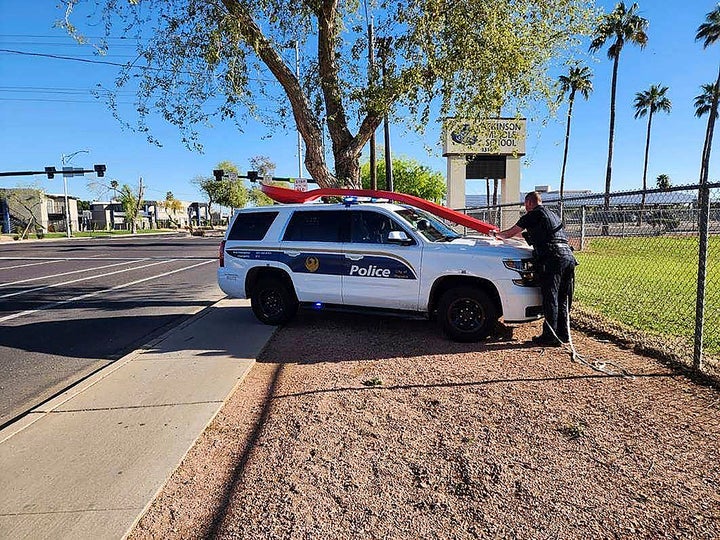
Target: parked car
point(379, 257)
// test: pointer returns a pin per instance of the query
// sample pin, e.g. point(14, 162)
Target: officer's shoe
point(546, 341)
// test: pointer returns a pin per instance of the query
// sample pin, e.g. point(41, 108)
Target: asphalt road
point(71, 307)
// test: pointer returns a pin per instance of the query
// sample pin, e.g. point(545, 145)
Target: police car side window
point(318, 226)
point(370, 227)
point(251, 225)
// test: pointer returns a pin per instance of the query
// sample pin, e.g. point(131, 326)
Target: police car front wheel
point(466, 314)
point(273, 302)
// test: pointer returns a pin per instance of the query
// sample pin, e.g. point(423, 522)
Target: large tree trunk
point(565, 152)
point(611, 142)
point(346, 148)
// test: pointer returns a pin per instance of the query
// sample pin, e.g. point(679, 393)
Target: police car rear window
point(251, 225)
point(318, 226)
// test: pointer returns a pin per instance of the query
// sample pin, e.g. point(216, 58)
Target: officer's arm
point(509, 233)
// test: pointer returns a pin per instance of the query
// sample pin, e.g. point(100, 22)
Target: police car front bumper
point(520, 304)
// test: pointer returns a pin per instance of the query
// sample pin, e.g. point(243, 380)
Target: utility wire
point(117, 64)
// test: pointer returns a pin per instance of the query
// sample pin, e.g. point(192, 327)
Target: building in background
point(22, 208)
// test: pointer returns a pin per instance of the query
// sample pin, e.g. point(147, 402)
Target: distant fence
point(648, 269)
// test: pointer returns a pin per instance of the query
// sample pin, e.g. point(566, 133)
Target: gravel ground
point(363, 427)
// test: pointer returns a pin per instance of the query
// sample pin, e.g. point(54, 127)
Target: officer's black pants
point(557, 280)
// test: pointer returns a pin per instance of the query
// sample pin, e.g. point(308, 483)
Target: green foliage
point(258, 198)
point(652, 100)
point(649, 284)
point(469, 58)
point(409, 176)
point(227, 191)
point(703, 101)
point(663, 181)
point(131, 202)
point(622, 25)
point(263, 165)
point(578, 79)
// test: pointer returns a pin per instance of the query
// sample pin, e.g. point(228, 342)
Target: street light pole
point(65, 159)
point(299, 138)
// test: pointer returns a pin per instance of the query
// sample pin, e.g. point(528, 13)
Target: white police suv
point(377, 257)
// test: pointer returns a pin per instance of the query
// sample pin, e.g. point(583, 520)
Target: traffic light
point(218, 174)
point(252, 176)
point(99, 170)
point(50, 171)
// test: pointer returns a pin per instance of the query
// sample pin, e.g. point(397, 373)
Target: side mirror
point(423, 225)
point(399, 237)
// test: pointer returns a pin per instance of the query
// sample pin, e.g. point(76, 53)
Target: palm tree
point(704, 104)
point(577, 79)
point(622, 25)
point(663, 181)
point(114, 186)
point(648, 103)
point(709, 32)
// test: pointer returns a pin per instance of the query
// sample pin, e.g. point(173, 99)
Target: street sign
point(301, 184)
point(73, 171)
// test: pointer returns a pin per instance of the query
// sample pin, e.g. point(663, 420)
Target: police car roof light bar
point(291, 196)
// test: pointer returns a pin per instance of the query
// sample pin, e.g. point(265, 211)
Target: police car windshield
point(427, 225)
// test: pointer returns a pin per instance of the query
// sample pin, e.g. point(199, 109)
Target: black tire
point(273, 301)
point(466, 314)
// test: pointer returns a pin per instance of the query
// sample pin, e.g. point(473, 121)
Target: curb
point(46, 407)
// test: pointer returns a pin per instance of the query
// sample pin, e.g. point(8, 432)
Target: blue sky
point(46, 110)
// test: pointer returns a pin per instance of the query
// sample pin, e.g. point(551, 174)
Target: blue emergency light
point(348, 201)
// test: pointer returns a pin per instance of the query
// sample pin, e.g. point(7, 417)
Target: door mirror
point(423, 225)
point(399, 237)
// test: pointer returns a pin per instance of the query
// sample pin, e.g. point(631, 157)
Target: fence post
point(703, 226)
point(582, 227)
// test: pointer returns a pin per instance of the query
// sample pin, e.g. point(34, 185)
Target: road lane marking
point(24, 265)
point(89, 295)
point(96, 257)
point(63, 274)
point(26, 291)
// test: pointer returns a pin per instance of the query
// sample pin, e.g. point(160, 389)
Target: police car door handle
point(354, 257)
point(292, 253)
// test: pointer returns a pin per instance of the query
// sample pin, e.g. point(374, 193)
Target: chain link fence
point(648, 275)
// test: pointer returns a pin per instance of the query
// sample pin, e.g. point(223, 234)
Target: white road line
point(64, 274)
point(89, 295)
point(26, 291)
point(24, 265)
point(96, 257)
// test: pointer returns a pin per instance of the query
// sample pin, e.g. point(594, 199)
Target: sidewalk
point(88, 463)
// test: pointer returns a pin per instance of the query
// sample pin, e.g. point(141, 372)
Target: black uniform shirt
point(544, 228)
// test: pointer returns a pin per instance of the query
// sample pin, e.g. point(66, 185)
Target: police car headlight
point(525, 268)
point(519, 265)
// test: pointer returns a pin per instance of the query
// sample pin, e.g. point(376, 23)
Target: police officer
point(555, 265)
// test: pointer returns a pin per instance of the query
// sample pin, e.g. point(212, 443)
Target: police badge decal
point(312, 264)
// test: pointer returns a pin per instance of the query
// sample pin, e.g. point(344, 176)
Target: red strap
point(288, 196)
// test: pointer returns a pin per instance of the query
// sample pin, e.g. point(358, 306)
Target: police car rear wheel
point(466, 314)
point(273, 302)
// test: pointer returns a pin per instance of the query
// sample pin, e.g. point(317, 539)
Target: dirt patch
point(360, 427)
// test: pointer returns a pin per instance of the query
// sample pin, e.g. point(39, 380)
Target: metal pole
point(582, 227)
point(67, 205)
point(371, 77)
point(66, 159)
point(386, 127)
point(703, 225)
point(299, 137)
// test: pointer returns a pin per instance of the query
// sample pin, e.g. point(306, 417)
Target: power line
point(55, 36)
point(117, 64)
